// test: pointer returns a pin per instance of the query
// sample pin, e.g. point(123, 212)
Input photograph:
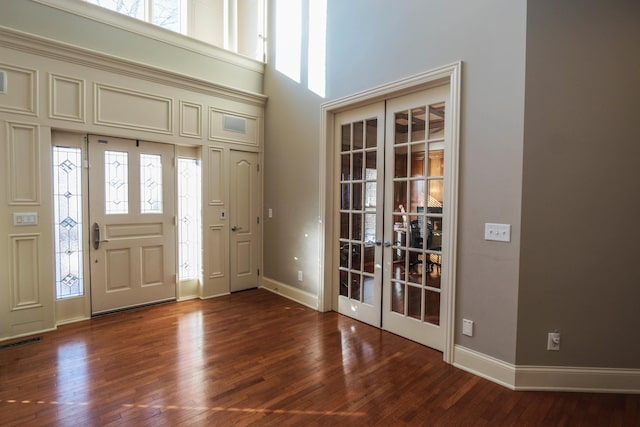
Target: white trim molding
point(547, 378)
point(294, 294)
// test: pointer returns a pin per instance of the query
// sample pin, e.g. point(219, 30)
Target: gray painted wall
point(39, 19)
point(581, 201)
point(372, 42)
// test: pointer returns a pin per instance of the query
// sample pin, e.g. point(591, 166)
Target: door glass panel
point(436, 120)
point(116, 186)
point(369, 258)
point(356, 226)
point(417, 160)
point(401, 161)
point(355, 286)
point(344, 283)
point(371, 173)
point(372, 134)
point(436, 195)
point(150, 183)
point(346, 138)
point(397, 297)
point(402, 127)
point(436, 163)
point(433, 270)
point(368, 284)
point(418, 123)
point(432, 309)
point(344, 255)
point(356, 257)
point(370, 227)
point(345, 199)
point(344, 225)
point(414, 302)
point(357, 196)
point(400, 196)
point(345, 165)
point(357, 165)
point(358, 136)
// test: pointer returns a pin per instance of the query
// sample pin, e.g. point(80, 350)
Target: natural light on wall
point(291, 24)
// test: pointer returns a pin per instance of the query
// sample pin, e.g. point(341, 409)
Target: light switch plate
point(467, 327)
point(497, 232)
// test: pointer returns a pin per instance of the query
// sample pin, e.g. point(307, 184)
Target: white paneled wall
point(50, 85)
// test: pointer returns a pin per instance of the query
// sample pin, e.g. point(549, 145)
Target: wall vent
point(234, 124)
point(3, 81)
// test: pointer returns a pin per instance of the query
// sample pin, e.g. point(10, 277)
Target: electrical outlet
point(299, 275)
point(467, 327)
point(553, 341)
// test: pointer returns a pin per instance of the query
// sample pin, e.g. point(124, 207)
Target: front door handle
point(95, 231)
point(236, 228)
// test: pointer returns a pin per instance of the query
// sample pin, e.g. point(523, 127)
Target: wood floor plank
point(254, 358)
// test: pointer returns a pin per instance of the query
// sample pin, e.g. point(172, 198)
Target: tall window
point(235, 25)
point(68, 221)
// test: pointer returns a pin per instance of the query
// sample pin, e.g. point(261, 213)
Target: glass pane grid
point(68, 222)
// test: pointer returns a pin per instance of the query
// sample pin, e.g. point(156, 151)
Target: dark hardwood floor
point(254, 358)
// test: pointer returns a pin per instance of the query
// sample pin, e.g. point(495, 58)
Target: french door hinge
point(258, 272)
point(258, 220)
point(258, 167)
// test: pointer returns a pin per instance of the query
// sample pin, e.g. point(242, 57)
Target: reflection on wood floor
point(254, 358)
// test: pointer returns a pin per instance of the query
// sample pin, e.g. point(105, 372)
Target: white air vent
point(3, 81)
point(234, 124)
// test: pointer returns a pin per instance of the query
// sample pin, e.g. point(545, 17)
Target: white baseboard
point(298, 295)
point(484, 366)
point(592, 380)
point(547, 378)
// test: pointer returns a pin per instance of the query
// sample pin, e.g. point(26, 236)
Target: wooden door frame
point(451, 74)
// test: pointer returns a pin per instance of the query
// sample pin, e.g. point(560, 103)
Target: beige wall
point(581, 207)
point(371, 43)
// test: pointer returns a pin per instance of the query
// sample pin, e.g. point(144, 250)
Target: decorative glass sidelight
point(68, 221)
point(150, 184)
point(116, 182)
point(189, 226)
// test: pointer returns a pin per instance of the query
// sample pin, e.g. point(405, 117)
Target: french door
point(132, 234)
point(393, 201)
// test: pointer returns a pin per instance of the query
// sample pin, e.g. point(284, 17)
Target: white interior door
point(415, 206)
point(393, 200)
point(132, 213)
point(360, 133)
point(244, 181)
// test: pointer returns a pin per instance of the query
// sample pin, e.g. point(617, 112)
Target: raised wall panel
point(217, 251)
point(216, 182)
point(129, 109)
point(21, 90)
point(25, 280)
point(66, 98)
point(190, 120)
point(233, 127)
point(23, 163)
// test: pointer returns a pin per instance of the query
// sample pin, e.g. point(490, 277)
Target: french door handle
point(378, 242)
point(387, 243)
point(236, 228)
point(96, 236)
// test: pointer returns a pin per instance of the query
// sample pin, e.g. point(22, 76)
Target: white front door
point(244, 181)
point(393, 199)
point(132, 229)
